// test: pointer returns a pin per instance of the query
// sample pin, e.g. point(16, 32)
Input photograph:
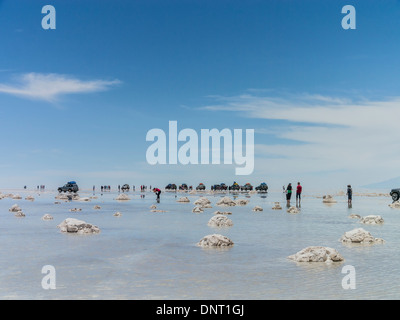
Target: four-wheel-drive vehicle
point(395, 194)
point(262, 187)
point(219, 187)
point(246, 187)
point(70, 186)
point(183, 186)
point(171, 186)
point(234, 187)
point(125, 187)
point(201, 186)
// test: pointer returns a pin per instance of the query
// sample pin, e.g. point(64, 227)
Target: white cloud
point(50, 87)
point(357, 138)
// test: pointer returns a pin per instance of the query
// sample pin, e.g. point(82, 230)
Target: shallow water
point(150, 255)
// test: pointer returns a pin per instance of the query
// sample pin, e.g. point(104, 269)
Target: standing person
point(349, 195)
point(299, 189)
point(119, 188)
point(94, 188)
point(288, 194)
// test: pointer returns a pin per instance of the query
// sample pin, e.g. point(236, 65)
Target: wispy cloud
point(355, 136)
point(50, 87)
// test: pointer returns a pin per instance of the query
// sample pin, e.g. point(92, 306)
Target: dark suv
point(395, 194)
point(70, 186)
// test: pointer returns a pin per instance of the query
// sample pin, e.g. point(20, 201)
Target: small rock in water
point(47, 217)
point(96, 207)
point(354, 216)
point(220, 221)
point(222, 212)
point(15, 208)
point(328, 199)
point(395, 204)
point(71, 225)
point(293, 210)
point(197, 210)
point(277, 206)
point(317, 254)
point(226, 202)
point(215, 240)
point(183, 199)
point(359, 235)
point(122, 197)
point(117, 214)
point(372, 219)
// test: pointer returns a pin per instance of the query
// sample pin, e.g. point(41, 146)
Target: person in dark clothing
point(288, 194)
point(157, 192)
point(349, 195)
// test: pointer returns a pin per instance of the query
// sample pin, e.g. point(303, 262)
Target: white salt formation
point(222, 212)
point(242, 202)
point(117, 214)
point(359, 235)
point(71, 225)
point(16, 197)
point(372, 219)
point(220, 220)
point(183, 199)
point(47, 217)
point(30, 198)
point(395, 204)
point(257, 208)
point(328, 199)
point(15, 208)
point(96, 207)
point(277, 206)
point(197, 210)
point(293, 210)
point(354, 216)
point(226, 202)
point(203, 202)
point(122, 197)
point(215, 240)
point(317, 254)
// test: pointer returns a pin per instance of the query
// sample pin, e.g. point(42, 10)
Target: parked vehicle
point(395, 194)
point(125, 187)
point(171, 186)
point(246, 187)
point(234, 187)
point(70, 186)
point(263, 187)
point(183, 186)
point(201, 187)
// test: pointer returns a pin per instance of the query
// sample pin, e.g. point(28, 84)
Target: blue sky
point(76, 102)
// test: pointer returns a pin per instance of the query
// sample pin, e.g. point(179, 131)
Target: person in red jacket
point(299, 189)
point(157, 192)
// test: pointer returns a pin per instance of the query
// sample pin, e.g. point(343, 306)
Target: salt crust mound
point(361, 236)
point(214, 241)
point(183, 199)
point(72, 225)
point(328, 199)
point(372, 219)
point(220, 220)
point(317, 254)
point(293, 210)
point(222, 212)
point(122, 197)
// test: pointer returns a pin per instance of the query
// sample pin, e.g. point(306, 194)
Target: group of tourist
point(299, 190)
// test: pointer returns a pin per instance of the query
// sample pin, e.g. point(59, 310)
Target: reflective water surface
point(153, 255)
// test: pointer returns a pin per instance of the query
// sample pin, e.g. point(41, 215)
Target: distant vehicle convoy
point(70, 186)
